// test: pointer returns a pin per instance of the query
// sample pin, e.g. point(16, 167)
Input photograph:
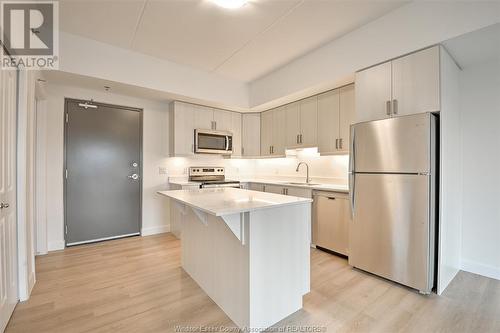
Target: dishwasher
point(331, 217)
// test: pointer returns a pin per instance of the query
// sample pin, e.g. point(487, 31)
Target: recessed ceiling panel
point(309, 26)
point(201, 34)
point(112, 22)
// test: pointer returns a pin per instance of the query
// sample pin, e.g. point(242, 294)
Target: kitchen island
point(248, 250)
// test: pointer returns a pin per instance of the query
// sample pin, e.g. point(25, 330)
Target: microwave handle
point(227, 142)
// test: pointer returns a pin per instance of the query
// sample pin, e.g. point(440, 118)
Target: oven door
point(213, 142)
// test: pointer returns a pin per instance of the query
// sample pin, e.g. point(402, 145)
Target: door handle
point(388, 108)
point(394, 106)
point(134, 176)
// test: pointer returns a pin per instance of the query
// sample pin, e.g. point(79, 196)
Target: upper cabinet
point(272, 134)
point(335, 116)
point(250, 135)
point(301, 123)
point(185, 118)
point(403, 86)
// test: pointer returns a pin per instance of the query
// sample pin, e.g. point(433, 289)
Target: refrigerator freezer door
point(395, 145)
point(390, 233)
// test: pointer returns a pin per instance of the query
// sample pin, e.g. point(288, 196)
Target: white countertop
point(226, 201)
point(318, 186)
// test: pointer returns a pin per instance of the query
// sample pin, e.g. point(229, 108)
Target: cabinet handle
point(301, 138)
point(331, 198)
point(340, 143)
point(394, 106)
point(272, 149)
point(388, 108)
point(297, 139)
point(336, 143)
point(242, 150)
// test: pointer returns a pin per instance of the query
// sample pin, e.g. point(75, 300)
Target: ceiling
point(242, 44)
point(476, 47)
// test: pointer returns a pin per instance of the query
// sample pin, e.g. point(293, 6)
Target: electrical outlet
point(163, 170)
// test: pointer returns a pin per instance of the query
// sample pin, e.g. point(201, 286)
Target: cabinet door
point(236, 130)
point(299, 192)
point(223, 120)
point(292, 125)
point(278, 131)
point(266, 133)
point(182, 126)
point(250, 134)
point(331, 230)
point(203, 116)
point(328, 121)
point(274, 189)
point(373, 93)
point(256, 187)
point(346, 116)
point(415, 82)
point(309, 122)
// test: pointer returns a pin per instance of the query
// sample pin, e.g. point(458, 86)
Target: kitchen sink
point(304, 184)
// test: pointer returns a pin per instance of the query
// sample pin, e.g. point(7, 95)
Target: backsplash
point(328, 169)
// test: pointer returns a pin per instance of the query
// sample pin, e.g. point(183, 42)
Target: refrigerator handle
point(352, 168)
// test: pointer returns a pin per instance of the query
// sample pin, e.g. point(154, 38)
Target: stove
point(211, 177)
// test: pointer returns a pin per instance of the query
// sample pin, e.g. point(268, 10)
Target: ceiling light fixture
point(230, 4)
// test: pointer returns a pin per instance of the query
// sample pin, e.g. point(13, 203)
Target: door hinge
point(66, 173)
point(66, 229)
point(67, 117)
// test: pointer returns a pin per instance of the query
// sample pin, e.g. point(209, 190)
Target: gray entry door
point(103, 177)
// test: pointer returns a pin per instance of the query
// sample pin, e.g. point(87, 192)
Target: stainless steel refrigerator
point(392, 180)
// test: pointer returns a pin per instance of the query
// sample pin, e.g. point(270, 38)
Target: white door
point(373, 93)
point(266, 133)
point(250, 135)
point(415, 83)
point(309, 122)
point(8, 232)
point(346, 117)
point(292, 120)
point(328, 121)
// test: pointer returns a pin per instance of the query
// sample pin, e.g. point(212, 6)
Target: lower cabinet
point(331, 218)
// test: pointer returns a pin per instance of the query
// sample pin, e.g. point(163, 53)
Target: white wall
point(155, 153)
point(87, 57)
point(480, 109)
point(406, 29)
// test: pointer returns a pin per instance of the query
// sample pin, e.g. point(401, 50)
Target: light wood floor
point(137, 285)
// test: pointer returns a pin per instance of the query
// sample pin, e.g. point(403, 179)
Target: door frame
point(68, 100)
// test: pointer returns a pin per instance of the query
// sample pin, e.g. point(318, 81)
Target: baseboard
point(56, 245)
point(155, 230)
point(481, 269)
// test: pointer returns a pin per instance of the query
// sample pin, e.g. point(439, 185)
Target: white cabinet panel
point(415, 82)
point(274, 189)
point(266, 133)
point(278, 131)
point(203, 116)
point(328, 120)
point(256, 187)
point(223, 120)
point(346, 116)
point(236, 130)
point(182, 127)
point(292, 125)
point(373, 92)
point(308, 122)
point(299, 192)
point(250, 135)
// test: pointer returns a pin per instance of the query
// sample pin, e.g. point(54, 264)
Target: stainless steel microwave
point(213, 142)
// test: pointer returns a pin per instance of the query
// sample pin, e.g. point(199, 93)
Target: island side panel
point(279, 241)
point(218, 262)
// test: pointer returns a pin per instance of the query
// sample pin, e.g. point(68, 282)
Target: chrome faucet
point(308, 180)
